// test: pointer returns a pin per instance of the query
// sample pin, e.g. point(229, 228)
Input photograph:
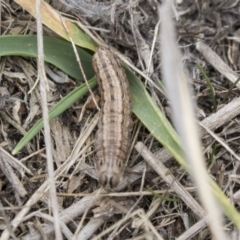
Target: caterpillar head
point(110, 173)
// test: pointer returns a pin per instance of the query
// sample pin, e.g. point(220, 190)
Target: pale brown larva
point(113, 135)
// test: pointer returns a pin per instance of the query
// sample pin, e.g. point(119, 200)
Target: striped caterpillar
point(114, 127)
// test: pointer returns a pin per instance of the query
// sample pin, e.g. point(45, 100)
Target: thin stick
point(193, 230)
point(123, 194)
point(80, 65)
point(43, 88)
point(169, 179)
point(218, 139)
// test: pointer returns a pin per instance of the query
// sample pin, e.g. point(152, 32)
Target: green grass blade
point(209, 85)
point(59, 108)
point(154, 120)
point(57, 52)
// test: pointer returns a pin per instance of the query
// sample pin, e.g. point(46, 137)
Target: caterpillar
point(114, 127)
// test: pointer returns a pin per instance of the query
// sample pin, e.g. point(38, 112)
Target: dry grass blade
point(193, 230)
point(217, 62)
point(126, 194)
point(44, 88)
point(90, 228)
point(183, 116)
point(221, 117)
point(12, 177)
point(221, 142)
point(15, 162)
